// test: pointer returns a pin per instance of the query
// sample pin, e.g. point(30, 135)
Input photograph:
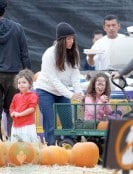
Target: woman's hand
point(104, 99)
point(115, 75)
point(78, 97)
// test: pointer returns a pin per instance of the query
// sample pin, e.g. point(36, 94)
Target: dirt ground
point(41, 169)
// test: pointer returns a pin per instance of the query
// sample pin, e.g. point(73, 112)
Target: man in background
point(111, 26)
point(13, 58)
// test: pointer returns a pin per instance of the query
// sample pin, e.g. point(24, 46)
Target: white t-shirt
point(102, 61)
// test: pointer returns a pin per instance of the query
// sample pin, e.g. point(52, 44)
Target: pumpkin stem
point(66, 146)
point(83, 139)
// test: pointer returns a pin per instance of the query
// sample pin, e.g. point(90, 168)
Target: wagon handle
point(124, 83)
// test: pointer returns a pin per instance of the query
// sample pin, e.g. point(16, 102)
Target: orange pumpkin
point(3, 154)
point(68, 148)
point(102, 125)
point(8, 145)
point(54, 155)
point(21, 153)
point(85, 154)
point(45, 156)
point(36, 153)
point(69, 151)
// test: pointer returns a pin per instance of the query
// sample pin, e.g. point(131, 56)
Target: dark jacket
point(128, 68)
point(13, 47)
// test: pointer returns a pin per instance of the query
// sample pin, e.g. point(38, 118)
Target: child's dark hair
point(27, 74)
point(91, 88)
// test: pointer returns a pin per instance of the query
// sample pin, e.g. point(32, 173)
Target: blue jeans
point(46, 101)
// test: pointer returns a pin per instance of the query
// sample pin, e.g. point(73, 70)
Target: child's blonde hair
point(27, 74)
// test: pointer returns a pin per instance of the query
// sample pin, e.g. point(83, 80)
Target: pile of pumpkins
point(82, 154)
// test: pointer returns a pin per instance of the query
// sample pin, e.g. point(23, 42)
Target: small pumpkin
point(21, 153)
point(36, 157)
point(69, 151)
point(85, 154)
point(68, 148)
point(102, 125)
point(51, 155)
point(3, 154)
point(45, 156)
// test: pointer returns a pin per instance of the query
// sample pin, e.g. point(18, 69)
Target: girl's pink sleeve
point(108, 109)
point(104, 108)
point(89, 109)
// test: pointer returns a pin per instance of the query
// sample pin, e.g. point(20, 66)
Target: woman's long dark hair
point(71, 56)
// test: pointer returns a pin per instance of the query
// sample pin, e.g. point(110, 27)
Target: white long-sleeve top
point(102, 61)
point(54, 81)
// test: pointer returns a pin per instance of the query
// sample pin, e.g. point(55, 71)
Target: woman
point(59, 71)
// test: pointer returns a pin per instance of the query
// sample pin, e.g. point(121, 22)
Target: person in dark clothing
point(13, 58)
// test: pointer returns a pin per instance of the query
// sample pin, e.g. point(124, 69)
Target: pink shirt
point(101, 110)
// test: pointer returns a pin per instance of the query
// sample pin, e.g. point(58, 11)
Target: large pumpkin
point(85, 154)
point(54, 155)
point(21, 153)
point(102, 125)
point(45, 156)
point(3, 154)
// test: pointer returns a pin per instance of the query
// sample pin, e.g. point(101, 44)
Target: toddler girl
point(22, 109)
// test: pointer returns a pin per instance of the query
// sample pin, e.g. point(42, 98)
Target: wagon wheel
point(67, 143)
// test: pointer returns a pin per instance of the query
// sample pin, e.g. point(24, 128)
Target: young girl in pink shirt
point(98, 92)
point(22, 109)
